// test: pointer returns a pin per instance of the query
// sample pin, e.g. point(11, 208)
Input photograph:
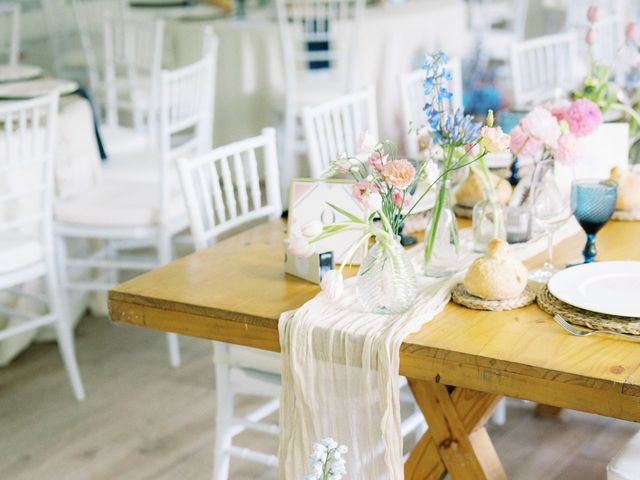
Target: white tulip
point(332, 284)
point(300, 247)
point(312, 229)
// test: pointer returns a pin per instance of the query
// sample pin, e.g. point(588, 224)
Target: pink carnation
point(523, 145)
point(399, 173)
point(401, 199)
point(567, 151)
point(584, 117)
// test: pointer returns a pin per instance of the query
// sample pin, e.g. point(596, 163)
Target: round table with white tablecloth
point(393, 39)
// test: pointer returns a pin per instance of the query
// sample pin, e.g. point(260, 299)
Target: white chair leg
point(224, 414)
point(499, 416)
point(164, 256)
point(287, 164)
point(63, 329)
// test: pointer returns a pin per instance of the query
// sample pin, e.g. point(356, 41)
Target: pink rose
point(399, 173)
point(376, 161)
point(540, 124)
point(590, 37)
point(594, 13)
point(494, 139)
point(567, 150)
point(584, 117)
point(401, 199)
point(632, 32)
point(523, 145)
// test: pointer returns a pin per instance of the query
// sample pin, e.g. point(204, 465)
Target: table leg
point(548, 411)
point(456, 441)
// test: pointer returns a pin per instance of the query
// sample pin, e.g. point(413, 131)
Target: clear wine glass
point(593, 202)
point(550, 209)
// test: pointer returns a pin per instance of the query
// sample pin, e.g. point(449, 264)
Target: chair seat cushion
point(120, 140)
point(626, 464)
point(18, 251)
point(119, 204)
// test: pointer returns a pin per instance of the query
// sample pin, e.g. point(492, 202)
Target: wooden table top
point(236, 290)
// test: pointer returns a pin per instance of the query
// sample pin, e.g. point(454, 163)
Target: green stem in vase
point(437, 209)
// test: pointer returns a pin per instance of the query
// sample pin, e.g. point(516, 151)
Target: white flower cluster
point(326, 461)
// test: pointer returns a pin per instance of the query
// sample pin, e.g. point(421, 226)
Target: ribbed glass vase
point(386, 280)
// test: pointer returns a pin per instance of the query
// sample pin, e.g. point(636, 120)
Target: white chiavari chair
point(9, 33)
point(66, 54)
point(576, 12)
point(126, 215)
point(27, 152)
point(497, 24)
point(333, 128)
point(413, 100)
point(542, 67)
point(319, 45)
point(223, 191)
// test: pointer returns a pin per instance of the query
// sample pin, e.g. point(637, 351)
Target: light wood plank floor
point(144, 420)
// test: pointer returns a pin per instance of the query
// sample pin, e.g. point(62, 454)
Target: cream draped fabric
point(340, 373)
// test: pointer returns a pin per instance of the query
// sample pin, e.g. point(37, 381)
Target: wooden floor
point(144, 420)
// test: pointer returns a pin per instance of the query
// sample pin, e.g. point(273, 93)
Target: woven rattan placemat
point(626, 215)
point(585, 318)
point(460, 296)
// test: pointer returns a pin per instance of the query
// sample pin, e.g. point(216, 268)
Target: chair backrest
point(61, 32)
point(319, 36)
point(89, 16)
point(542, 66)
point(223, 188)
point(333, 128)
point(413, 100)
point(499, 15)
point(9, 33)
point(133, 60)
point(27, 148)
point(186, 112)
point(609, 38)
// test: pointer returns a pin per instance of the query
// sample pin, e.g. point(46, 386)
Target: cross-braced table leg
point(456, 441)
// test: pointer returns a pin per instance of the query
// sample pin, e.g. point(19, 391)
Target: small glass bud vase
point(386, 280)
point(488, 223)
point(442, 241)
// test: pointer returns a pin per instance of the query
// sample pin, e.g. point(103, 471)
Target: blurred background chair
point(128, 215)
point(9, 33)
point(333, 127)
point(27, 155)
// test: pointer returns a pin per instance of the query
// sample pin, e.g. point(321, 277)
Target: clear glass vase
point(386, 280)
point(488, 223)
point(442, 242)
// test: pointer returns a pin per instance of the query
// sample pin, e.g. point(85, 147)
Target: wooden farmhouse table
point(458, 365)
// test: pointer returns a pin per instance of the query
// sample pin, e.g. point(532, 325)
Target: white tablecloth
point(393, 39)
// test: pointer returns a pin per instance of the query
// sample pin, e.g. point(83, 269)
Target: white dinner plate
point(15, 73)
point(36, 88)
point(612, 288)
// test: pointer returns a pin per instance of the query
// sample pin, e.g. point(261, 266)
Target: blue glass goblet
point(593, 203)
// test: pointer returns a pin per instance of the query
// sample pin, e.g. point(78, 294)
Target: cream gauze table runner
point(340, 372)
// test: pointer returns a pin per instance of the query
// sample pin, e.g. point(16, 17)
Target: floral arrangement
point(598, 86)
point(460, 139)
point(326, 462)
point(553, 131)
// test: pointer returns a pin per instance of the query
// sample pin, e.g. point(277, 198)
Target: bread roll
point(472, 191)
point(628, 188)
point(497, 275)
